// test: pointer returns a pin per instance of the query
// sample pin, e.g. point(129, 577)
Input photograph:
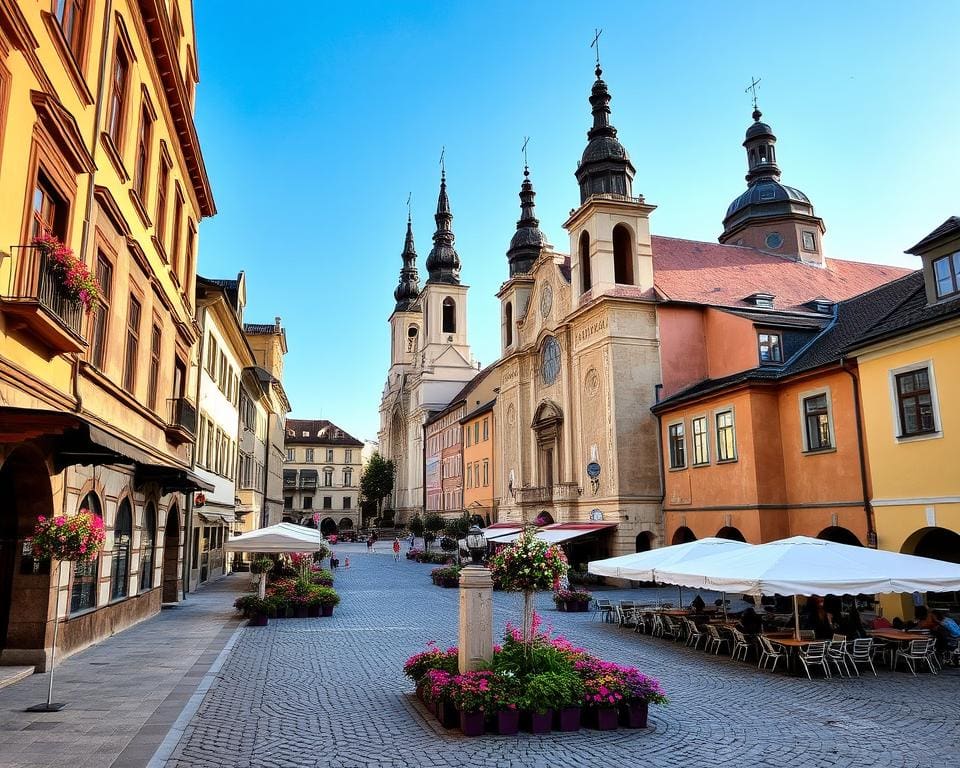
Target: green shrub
point(261, 565)
point(552, 690)
point(326, 596)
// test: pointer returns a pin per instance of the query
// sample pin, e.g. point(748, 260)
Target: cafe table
point(791, 646)
point(896, 637)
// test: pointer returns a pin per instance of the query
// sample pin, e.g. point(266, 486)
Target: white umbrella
point(645, 566)
point(804, 566)
point(282, 537)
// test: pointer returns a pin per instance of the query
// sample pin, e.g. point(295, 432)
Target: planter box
point(448, 715)
point(300, 612)
point(633, 714)
point(258, 621)
point(567, 719)
point(561, 606)
point(578, 607)
point(539, 722)
point(326, 610)
point(508, 722)
point(604, 718)
point(472, 723)
point(313, 611)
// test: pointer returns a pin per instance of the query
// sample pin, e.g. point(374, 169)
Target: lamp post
point(475, 649)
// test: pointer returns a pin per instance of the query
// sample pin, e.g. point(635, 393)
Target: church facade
point(430, 359)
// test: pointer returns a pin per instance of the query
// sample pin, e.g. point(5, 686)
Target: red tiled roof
point(723, 275)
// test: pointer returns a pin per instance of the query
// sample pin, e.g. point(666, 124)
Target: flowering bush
point(473, 691)
point(78, 538)
point(529, 565)
point(642, 688)
point(445, 575)
point(78, 281)
point(261, 564)
point(417, 666)
point(435, 685)
point(572, 596)
point(414, 554)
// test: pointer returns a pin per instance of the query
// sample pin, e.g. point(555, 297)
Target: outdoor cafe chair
point(837, 655)
point(694, 634)
point(669, 628)
point(918, 650)
point(714, 640)
point(814, 655)
point(808, 634)
point(860, 651)
point(768, 653)
point(741, 648)
point(602, 609)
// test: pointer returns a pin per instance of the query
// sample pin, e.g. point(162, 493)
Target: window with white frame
point(678, 454)
point(701, 443)
point(726, 437)
point(915, 402)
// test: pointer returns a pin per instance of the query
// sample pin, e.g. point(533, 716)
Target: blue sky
point(318, 119)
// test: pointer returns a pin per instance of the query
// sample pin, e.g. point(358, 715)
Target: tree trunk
point(528, 610)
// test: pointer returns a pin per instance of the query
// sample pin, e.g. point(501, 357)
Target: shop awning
point(557, 532)
point(282, 537)
point(217, 516)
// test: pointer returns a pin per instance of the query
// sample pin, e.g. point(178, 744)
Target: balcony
point(308, 480)
point(289, 479)
point(536, 495)
point(37, 302)
point(182, 425)
point(565, 492)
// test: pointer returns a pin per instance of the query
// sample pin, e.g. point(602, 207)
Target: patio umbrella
point(282, 537)
point(802, 565)
point(645, 566)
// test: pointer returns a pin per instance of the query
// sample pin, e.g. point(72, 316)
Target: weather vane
point(754, 82)
point(409, 195)
point(526, 140)
point(443, 168)
point(596, 43)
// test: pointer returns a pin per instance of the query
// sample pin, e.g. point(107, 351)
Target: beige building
point(321, 476)
point(98, 408)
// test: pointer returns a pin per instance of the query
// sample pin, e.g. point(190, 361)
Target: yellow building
point(909, 371)
point(97, 149)
point(479, 498)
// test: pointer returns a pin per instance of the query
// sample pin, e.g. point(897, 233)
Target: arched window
point(449, 315)
point(83, 592)
point(120, 567)
point(147, 546)
point(622, 256)
point(508, 317)
point(412, 338)
point(586, 281)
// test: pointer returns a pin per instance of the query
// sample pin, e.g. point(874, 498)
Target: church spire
point(527, 242)
point(408, 289)
point(605, 167)
point(761, 156)
point(443, 263)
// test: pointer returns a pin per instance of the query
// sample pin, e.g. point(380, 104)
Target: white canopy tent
point(802, 565)
point(643, 566)
point(283, 537)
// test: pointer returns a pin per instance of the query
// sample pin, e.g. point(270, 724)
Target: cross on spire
point(443, 168)
point(596, 44)
point(409, 195)
point(754, 82)
point(526, 140)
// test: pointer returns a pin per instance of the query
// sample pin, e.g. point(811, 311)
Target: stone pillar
point(476, 618)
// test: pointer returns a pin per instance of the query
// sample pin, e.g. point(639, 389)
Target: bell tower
point(610, 232)
point(406, 322)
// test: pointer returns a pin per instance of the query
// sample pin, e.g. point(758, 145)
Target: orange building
point(775, 449)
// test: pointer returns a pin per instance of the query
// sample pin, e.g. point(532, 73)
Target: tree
point(457, 529)
point(416, 526)
point(376, 481)
point(433, 523)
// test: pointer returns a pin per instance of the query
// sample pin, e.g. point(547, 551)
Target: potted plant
point(604, 690)
point(641, 692)
point(327, 598)
point(567, 705)
point(572, 599)
point(505, 703)
point(78, 282)
point(314, 607)
point(257, 610)
point(437, 692)
point(471, 694)
point(540, 694)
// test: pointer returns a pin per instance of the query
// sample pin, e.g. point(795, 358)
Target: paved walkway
point(123, 694)
point(329, 692)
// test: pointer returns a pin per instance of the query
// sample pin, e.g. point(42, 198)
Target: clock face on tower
point(546, 300)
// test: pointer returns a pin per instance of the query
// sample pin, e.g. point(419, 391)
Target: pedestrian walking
point(369, 543)
point(346, 562)
point(396, 549)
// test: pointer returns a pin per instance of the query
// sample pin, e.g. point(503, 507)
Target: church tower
point(444, 299)
point(406, 322)
point(610, 231)
point(526, 245)
point(772, 216)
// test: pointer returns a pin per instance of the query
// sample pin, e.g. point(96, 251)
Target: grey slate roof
point(320, 432)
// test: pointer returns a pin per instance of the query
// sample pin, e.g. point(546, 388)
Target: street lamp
point(476, 543)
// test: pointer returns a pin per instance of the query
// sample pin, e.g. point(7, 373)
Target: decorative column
point(476, 618)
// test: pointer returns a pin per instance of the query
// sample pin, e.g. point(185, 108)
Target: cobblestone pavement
point(124, 693)
point(329, 692)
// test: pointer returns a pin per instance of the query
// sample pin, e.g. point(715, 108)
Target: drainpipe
point(663, 480)
point(867, 506)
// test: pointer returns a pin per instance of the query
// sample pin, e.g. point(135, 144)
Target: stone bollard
point(476, 618)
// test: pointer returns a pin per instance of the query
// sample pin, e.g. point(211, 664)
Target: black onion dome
point(443, 263)
point(528, 241)
point(769, 193)
point(605, 166)
point(408, 289)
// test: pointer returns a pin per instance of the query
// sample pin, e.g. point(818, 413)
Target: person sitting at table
point(750, 622)
point(697, 604)
point(947, 633)
point(897, 623)
point(817, 619)
point(852, 625)
point(924, 619)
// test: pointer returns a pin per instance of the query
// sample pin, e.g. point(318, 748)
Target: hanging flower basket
point(78, 282)
point(78, 538)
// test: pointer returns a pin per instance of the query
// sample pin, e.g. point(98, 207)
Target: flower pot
point(472, 723)
point(508, 722)
point(258, 620)
point(562, 606)
point(447, 714)
point(580, 606)
point(313, 611)
point(567, 719)
point(300, 612)
point(633, 714)
point(604, 718)
point(539, 722)
point(326, 610)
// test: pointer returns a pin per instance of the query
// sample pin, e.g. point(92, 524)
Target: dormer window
point(823, 306)
point(771, 349)
point(764, 300)
point(305, 433)
point(946, 273)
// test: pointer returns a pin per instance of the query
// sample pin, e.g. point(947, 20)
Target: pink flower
point(60, 520)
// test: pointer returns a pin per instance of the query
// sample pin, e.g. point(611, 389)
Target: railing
point(183, 414)
point(566, 492)
point(614, 196)
point(35, 283)
point(290, 481)
point(537, 495)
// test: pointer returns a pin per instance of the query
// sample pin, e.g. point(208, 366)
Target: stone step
point(11, 675)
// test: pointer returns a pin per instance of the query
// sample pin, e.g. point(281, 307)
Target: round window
point(774, 240)
point(550, 361)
